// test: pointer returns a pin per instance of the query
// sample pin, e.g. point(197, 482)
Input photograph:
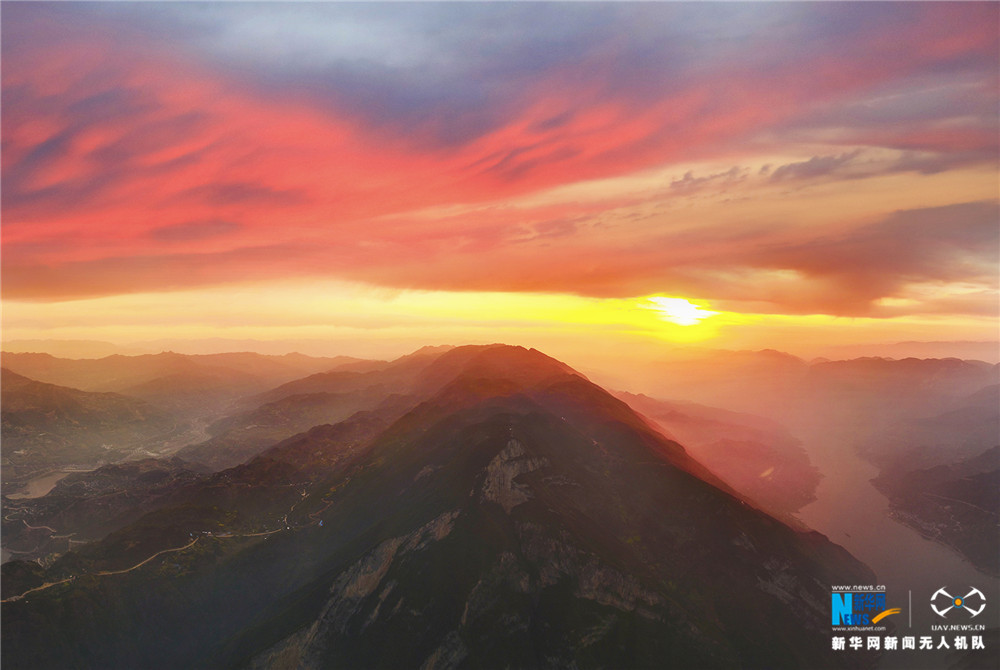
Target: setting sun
point(679, 311)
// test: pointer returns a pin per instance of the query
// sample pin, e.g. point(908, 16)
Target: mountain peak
point(499, 362)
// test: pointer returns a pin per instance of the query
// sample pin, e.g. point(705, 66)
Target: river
point(35, 488)
point(854, 514)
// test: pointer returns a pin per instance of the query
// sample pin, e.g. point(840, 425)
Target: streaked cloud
point(195, 230)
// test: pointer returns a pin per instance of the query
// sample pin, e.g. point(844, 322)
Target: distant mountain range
point(58, 412)
point(169, 376)
point(952, 430)
point(777, 385)
point(325, 397)
point(495, 509)
point(988, 351)
point(45, 426)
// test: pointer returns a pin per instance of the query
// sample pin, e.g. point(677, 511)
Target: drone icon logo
point(973, 602)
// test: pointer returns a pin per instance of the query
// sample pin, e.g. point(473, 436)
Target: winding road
point(139, 565)
point(105, 573)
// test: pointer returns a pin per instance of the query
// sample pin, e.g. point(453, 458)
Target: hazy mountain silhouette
point(988, 351)
point(777, 385)
point(72, 348)
point(178, 382)
point(398, 376)
point(755, 455)
point(45, 426)
point(954, 430)
point(298, 405)
point(335, 395)
point(890, 388)
point(239, 437)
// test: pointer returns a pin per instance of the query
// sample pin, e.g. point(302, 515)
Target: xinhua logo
point(972, 603)
point(858, 609)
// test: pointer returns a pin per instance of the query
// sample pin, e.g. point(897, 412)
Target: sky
point(614, 178)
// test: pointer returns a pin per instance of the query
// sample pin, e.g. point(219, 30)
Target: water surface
point(39, 486)
point(854, 514)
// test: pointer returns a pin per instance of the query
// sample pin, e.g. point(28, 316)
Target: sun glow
point(338, 311)
point(330, 318)
point(679, 311)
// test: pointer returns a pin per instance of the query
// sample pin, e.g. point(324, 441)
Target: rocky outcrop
point(500, 485)
point(348, 596)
